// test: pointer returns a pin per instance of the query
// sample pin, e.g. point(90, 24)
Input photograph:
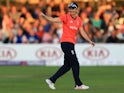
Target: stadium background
point(27, 40)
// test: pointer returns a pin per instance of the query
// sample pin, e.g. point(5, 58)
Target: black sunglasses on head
point(72, 7)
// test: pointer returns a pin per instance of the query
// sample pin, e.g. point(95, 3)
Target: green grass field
point(31, 79)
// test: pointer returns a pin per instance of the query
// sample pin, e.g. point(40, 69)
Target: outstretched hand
point(41, 14)
point(92, 43)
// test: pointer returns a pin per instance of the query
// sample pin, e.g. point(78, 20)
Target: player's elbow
point(57, 20)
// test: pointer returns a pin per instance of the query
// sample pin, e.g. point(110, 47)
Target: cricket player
point(71, 25)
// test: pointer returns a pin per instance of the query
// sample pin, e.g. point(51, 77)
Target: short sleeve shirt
point(70, 28)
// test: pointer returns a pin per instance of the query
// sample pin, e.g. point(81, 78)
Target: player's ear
point(67, 10)
point(77, 10)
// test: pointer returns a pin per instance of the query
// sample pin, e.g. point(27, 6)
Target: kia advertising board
point(52, 55)
point(96, 53)
point(49, 53)
point(7, 53)
point(101, 54)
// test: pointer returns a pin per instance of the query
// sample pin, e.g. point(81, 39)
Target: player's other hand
point(92, 43)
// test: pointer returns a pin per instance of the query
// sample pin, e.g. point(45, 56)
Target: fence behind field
point(51, 54)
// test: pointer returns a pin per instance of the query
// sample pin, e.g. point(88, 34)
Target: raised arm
point(57, 19)
point(83, 34)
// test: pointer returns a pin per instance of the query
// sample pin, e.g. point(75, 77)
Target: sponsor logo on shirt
point(73, 28)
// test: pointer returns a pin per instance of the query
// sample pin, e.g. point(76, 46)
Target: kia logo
point(49, 53)
point(96, 53)
point(7, 53)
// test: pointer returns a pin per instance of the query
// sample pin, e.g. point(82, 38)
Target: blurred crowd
point(105, 24)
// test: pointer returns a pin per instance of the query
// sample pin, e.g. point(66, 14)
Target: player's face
point(73, 12)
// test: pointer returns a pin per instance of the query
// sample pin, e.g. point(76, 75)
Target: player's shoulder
point(79, 19)
point(64, 15)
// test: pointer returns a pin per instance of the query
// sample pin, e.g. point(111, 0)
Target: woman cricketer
point(71, 25)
